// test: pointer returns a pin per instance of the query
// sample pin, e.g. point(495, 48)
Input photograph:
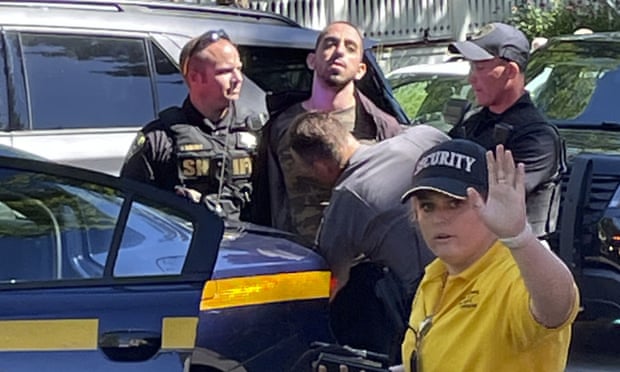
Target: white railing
point(395, 21)
point(408, 31)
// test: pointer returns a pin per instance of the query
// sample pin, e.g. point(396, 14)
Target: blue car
point(99, 273)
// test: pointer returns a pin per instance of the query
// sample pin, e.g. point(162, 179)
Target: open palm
point(504, 211)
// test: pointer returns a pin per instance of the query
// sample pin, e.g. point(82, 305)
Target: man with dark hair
point(295, 202)
point(365, 222)
point(499, 54)
point(202, 150)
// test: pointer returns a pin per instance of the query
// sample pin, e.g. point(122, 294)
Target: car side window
point(82, 81)
point(277, 70)
point(155, 241)
point(281, 72)
point(171, 88)
point(53, 228)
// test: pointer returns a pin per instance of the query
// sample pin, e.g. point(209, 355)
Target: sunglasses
point(199, 43)
point(425, 326)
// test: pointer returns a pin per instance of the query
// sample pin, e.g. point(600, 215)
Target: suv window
point(277, 70)
point(575, 84)
point(171, 88)
point(576, 81)
point(106, 80)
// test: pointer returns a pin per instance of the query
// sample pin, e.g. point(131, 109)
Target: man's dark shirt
point(366, 219)
point(534, 142)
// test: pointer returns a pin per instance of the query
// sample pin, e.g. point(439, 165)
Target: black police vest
point(543, 203)
point(219, 164)
point(203, 161)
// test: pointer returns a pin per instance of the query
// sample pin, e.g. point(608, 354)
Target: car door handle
point(130, 345)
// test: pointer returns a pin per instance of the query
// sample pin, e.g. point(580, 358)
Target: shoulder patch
point(136, 145)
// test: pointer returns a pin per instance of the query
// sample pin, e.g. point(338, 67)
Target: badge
point(247, 140)
point(483, 31)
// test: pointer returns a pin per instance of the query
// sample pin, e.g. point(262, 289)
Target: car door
point(98, 273)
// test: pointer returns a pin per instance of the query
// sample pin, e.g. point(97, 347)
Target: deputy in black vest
point(499, 54)
point(203, 149)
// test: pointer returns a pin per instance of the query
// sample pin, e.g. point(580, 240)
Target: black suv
point(575, 81)
point(77, 79)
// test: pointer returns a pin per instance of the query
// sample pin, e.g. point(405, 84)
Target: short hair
point(317, 136)
point(324, 32)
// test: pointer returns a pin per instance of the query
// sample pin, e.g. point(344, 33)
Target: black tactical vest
point(543, 203)
point(217, 164)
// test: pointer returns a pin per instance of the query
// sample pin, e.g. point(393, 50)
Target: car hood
point(248, 250)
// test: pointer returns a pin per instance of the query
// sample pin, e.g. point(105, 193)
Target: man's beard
point(336, 81)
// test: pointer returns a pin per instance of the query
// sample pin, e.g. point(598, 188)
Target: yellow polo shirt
point(482, 322)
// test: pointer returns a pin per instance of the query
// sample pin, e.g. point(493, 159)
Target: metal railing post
point(461, 18)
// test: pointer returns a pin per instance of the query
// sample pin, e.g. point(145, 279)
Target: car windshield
point(423, 96)
point(576, 82)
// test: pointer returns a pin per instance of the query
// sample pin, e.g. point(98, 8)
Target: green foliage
point(410, 97)
point(562, 17)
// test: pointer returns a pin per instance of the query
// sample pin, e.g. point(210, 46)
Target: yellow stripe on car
point(49, 334)
point(178, 333)
point(83, 334)
point(263, 289)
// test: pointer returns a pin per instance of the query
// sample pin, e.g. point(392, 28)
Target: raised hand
point(504, 211)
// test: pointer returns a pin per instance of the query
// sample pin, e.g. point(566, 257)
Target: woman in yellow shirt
point(495, 298)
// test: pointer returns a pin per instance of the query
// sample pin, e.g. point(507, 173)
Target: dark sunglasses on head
point(201, 42)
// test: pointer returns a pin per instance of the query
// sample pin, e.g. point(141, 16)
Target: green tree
point(561, 17)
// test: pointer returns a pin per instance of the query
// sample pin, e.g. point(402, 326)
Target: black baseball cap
point(450, 168)
point(495, 40)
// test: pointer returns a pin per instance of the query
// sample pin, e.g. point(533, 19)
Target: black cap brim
point(448, 186)
point(470, 51)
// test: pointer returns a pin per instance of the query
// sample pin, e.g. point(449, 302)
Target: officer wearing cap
point(203, 149)
point(495, 298)
point(499, 55)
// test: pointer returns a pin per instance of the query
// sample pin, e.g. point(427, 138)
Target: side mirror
point(454, 110)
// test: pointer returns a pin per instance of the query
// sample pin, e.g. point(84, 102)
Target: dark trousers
point(371, 311)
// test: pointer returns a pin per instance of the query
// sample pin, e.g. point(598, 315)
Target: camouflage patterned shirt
point(301, 208)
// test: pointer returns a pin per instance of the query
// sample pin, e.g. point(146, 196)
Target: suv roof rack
point(154, 6)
